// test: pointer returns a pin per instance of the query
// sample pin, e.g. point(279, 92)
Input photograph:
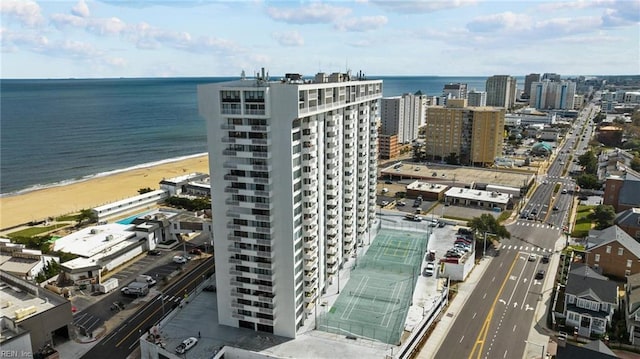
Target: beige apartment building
point(473, 135)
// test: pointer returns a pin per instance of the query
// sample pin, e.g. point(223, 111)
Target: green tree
point(635, 163)
point(587, 180)
point(604, 215)
point(488, 223)
point(589, 161)
point(145, 190)
point(87, 215)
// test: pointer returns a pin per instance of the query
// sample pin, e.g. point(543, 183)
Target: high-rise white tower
point(293, 184)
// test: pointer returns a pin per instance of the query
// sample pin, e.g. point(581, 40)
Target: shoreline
point(38, 187)
point(65, 198)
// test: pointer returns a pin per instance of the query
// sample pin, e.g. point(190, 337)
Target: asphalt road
point(497, 318)
point(124, 339)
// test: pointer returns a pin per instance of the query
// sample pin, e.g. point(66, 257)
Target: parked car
point(540, 274)
point(186, 345)
point(532, 257)
point(179, 259)
point(195, 251)
point(545, 258)
point(429, 269)
point(154, 252)
point(401, 203)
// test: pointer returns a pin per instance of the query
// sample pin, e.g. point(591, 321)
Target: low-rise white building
point(99, 248)
point(478, 198)
point(22, 262)
point(130, 205)
point(181, 184)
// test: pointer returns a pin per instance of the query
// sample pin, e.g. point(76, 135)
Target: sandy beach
point(56, 201)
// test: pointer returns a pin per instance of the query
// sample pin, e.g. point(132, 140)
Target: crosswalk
point(533, 224)
point(528, 249)
point(171, 298)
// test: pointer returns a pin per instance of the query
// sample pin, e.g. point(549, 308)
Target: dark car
point(154, 252)
point(524, 215)
point(195, 251)
point(545, 258)
point(388, 182)
point(540, 274)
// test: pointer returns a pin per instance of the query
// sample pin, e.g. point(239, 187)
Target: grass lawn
point(583, 221)
point(34, 231)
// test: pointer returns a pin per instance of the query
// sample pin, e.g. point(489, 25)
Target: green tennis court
point(375, 301)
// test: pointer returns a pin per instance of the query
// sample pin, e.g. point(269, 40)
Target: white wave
point(98, 175)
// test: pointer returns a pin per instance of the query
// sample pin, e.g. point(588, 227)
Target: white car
point(179, 259)
point(429, 269)
point(186, 345)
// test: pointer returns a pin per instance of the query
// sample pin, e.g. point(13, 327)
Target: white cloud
point(314, 13)
point(361, 24)
point(81, 9)
point(500, 22)
point(63, 20)
point(421, 7)
point(27, 12)
point(11, 41)
point(292, 38)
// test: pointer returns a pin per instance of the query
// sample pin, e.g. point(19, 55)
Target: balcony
point(311, 255)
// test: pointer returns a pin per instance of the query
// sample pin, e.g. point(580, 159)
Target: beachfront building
point(548, 95)
point(293, 172)
point(402, 116)
point(501, 91)
point(129, 205)
point(194, 184)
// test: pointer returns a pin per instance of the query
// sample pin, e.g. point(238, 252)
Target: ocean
point(54, 132)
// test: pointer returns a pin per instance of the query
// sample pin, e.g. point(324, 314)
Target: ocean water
point(54, 132)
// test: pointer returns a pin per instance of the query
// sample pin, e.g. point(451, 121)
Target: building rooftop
point(98, 240)
point(478, 195)
point(459, 175)
point(195, 176)
point(20, 300)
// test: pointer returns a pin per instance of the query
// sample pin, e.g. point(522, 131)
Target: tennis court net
point(374, 298)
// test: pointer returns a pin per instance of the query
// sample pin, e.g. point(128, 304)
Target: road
point(124, 339)
point(497, 318)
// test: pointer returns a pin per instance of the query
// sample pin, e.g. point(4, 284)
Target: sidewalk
point(441, 330)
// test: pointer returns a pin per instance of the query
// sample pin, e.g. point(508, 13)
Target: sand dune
point(52, 202)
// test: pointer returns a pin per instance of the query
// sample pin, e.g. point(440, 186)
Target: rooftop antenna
point(242, 75)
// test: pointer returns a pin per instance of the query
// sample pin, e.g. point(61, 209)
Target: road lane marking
point(514, 328)
point(461, 339)
point(484, 331)
point(474, 315)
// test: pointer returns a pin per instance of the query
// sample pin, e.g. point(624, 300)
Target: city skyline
point(96, 39)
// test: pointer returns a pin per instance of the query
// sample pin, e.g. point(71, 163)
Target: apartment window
point(608, 249)
point(597, 258)
point(620, 251)
point(629, 263)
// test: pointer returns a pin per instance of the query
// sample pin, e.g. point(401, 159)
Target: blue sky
point(176, 38)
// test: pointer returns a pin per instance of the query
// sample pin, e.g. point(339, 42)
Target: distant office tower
point(551, 95)
point(551, 77)
point(501, 91)
point(472, 134)
point(293, 168)
point(457, 90)
point(402, 116)
point(528, 80)
point(477, 98)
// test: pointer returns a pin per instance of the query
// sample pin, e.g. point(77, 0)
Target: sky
point(204, 38)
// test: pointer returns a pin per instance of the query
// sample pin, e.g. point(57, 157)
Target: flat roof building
point(293, 174)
